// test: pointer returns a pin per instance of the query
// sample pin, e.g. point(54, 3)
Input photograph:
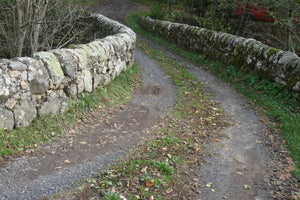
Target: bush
point(157, 13)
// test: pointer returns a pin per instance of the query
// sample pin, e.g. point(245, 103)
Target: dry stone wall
point(248, 54)
point(44, 84)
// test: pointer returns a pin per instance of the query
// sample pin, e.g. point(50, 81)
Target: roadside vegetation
point(277, 23)
point(162, 167)
point(271, 99)
point(26, 140)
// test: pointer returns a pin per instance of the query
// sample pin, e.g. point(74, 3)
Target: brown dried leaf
point(67, 161)
point(150, 183)
point(73, 131)
point(144, 169)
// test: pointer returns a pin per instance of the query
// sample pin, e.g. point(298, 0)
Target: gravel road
point(240, 160)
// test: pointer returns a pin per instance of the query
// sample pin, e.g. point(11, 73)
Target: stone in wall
point(25, 112)
point(81, 56)
point(80, 84)
point(64, 102)
point(38, 77)
point(7, 120)
point(71, 90)
point(50, 105)
point(44, 84)
point(8, 80)
point(68, 61)
point(248, 54)
point(53, 66)
point(88, 81)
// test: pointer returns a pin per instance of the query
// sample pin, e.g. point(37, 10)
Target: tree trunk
point(20, 29)
point(288, 41)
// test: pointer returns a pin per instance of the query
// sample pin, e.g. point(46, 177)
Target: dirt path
point(249, 162)
point(80, 153)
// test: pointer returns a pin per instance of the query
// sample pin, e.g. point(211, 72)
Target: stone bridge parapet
point(44, 83)
point(248, 54)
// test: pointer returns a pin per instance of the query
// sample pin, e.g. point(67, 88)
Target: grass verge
point(44, 129)
point(158, 168)
point(273, 99)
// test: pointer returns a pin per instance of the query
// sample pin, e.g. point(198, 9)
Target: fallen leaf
point(144, 169)
point(113, 190)
point(151, 198)
point(291, 168)
point(82, 142)
point(169, 191)
point(73, 131)
point(169, 156)
point(150, 183)
point(197, 111)
point(246, 187)
point(122, 197)
point(209, 185)
point(67, 161)
point(278, 193)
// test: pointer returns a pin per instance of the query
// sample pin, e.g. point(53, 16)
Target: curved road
point(240, 159)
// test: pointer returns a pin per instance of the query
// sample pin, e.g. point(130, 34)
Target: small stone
point(6, 119)
point(297, 87)
point(24, 85)
point(17, 66)
point(80, 85)
point(10, 104)
point(14, 74)
point(88, 81)
point(71, 90)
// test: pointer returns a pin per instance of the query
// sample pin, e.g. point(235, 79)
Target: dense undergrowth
point(274, 100)
point(44, 129)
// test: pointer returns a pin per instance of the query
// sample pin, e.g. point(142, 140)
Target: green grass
point(87, 2)
point(44, 129)
point(276, 101)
